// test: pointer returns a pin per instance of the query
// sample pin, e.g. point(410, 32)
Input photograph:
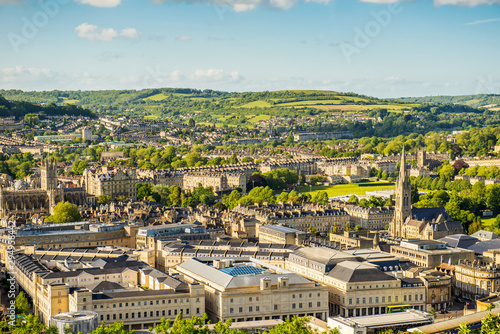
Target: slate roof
point(429, 213)
point(484, 246)
point(459, 240)
point(355, 272)
point(218, 277)
point(485, 235)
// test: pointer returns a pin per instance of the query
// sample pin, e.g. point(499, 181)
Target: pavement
point(456, 310)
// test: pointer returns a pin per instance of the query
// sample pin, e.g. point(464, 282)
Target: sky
point(382, 48)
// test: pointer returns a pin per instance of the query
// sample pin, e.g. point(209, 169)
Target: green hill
point(488, 101)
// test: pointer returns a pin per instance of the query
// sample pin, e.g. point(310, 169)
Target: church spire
point(403, 199)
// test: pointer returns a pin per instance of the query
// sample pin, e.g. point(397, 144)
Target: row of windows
point(389, 299)
point(169, 301)
point(145, 314)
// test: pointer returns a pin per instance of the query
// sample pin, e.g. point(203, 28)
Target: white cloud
point(23, 74)
point(323, 2)
point(381, 1)
point(94, 33)
point(100, 3)
point(482, 21)
point(283, 4)
point(184, 38)
point(216, 75)
point(10, 2)
point(468, 3)
point(130, 33)
point(109, 55)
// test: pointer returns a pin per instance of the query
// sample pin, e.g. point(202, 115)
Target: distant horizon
point(256, 91)
point(381, 48)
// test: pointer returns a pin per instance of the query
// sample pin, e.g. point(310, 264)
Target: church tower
point(403, 199)
point(48, 174)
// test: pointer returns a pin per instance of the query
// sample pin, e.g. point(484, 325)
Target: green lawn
point(157, 97)
point(487, 224)
point(348, 189)
point(256, 104)
point(259, 118)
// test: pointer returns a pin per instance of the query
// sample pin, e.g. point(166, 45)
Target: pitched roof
point(459, 240)
point(355, 272)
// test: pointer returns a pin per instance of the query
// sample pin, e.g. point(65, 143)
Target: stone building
point(109, 181)
point(129, 292)
point(430, 253)
point(252, 291)
point(22, 200)
point(356, 286)
point(475, 279)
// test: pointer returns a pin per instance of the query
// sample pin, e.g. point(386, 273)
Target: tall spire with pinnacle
point(403, 199)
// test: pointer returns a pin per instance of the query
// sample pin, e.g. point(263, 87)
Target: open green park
point(487, 224)
point(348, 189)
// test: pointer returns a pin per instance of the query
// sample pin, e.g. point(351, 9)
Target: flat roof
point(283, 229)
point(389, 319)
point(445, 326)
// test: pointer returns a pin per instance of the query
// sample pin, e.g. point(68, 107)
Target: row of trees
point(174, 196)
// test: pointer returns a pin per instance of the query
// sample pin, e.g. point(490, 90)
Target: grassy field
point(348, 189)
point(157, 97)
point(256, 104)
point(259, 118)
point(487, 224)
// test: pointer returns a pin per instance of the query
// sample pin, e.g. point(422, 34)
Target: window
point(293, 296)
point(350, 301)
point(146, 314)
point(157, 313)
point(197, 310)
point(250, 309)
point(187, 311)
point(275, 307)
point(230, 300)
point(240, 309)
point(364, 300)
point(310, 304)
point(370, 300)
point(357, 300)
point(250, 299)
point(383, 299)
point(126, 315)
point(132, 315)
point(257, 308)
point(395, 299)
point(293, 305)
point(319, 304)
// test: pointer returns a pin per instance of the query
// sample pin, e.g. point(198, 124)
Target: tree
point(191, 123)
point(289, 140)
point(358, 228)
point(21, 304)
point(104, 199)
point(446, 172)
point(302, 178)
point(65, 212)
point(433, 312)
point(321, 197)
point(283, 197)
point(353, 199)
point(493, 198)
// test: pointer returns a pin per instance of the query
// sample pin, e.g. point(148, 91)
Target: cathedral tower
point(403, 199)
point(48, 174)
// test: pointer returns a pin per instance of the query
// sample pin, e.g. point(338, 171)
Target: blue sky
point(375, 47)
